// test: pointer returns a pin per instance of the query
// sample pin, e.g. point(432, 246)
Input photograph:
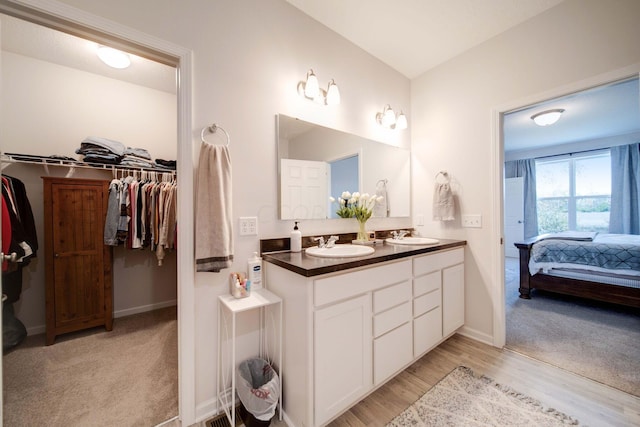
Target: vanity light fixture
point(310, 89)
point(548, 117)
point(388, 119)
point(113, 57)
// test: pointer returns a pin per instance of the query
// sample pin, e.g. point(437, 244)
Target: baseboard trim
point(474, 334)
point(144, 308)
point(41, 329)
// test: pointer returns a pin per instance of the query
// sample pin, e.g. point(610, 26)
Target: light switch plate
point(472, 221)
point(419, 219)
point(248, 226)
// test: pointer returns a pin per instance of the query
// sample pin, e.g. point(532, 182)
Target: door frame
point(75, 21)
point(497, 177)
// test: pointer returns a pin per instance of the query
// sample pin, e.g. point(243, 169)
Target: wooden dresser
point(78, 274)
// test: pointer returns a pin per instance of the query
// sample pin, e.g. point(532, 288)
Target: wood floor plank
point(590, 402)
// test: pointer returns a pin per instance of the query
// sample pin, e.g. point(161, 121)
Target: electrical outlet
point(472, 221)
point(248, 226)
point(419, 219)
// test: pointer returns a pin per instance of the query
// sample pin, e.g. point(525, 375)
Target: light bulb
point(113, 57)
point(401, 121)
point(388, 117)
point(333, 94)
point(546, 118)
point(311, 87)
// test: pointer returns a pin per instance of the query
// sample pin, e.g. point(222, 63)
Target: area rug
point(463, 398)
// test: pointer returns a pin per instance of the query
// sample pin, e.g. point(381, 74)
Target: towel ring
point(445, 176)
point(213, 129)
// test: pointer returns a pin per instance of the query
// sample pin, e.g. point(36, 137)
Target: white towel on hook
point(381, 208)
point(214, 223)
point(443, 209)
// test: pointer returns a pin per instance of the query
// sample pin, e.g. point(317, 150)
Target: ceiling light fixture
point(113, 57)
point(310, 89)
point(388, 119)
point(548, 117)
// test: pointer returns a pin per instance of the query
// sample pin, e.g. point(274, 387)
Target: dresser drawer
point(391, 353)
point(391, 296)
point(437, 261)
point(390, 319)
point(427, 283)
point(427, 302)
point(427, 331)
point(346, 285)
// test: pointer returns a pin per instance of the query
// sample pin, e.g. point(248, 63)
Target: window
point(574, 192)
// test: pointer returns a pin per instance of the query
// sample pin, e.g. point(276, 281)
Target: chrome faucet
point(399, 235)
point(332, 241)
point(320, 241)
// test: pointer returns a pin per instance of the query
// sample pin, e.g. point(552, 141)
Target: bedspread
point(606, 252)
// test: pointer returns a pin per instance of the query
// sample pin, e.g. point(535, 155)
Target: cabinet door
point(452, 298)
point(343, 356)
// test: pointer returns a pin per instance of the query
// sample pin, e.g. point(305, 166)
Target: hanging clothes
point(141, 213)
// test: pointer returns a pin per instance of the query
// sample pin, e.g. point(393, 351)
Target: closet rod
point(49, 161)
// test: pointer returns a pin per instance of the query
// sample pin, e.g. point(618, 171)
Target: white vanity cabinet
point(347, 332)
point(438, 298)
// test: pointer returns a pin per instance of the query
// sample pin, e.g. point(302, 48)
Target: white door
point(513, 214)
point(303, 189)
point(343, 356)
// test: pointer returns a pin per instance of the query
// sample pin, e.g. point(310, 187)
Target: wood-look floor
point(592, 403)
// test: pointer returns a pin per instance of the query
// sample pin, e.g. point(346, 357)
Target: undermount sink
point(340, 251)
point(413, 241)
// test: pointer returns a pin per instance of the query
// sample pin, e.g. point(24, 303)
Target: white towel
point(214, 224)
point(443, 209)
point(381, 208)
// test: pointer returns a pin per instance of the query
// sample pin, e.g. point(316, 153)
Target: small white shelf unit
point(259, 299)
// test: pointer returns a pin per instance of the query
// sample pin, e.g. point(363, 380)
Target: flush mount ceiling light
point(388, 119)
point(548, 117)
point(113, 57)
point(310, 89)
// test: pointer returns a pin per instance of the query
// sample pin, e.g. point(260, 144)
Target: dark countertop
point(310, 266)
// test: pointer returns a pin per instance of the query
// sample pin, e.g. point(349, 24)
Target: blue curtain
point(625, 189)
point(526, 169)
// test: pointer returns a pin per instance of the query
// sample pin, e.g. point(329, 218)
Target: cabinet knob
point(56, 255)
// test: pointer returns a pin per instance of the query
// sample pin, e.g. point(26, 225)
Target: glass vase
point(362, 234)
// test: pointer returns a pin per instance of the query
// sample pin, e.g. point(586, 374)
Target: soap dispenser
point(296, 239)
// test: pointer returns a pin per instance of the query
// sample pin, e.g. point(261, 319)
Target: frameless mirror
point(316, 162)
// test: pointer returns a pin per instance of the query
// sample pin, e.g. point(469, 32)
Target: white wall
point(248, 58)
point(576, 41)
point(49, 109)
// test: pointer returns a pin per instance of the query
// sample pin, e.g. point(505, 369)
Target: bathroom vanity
point(351, 324)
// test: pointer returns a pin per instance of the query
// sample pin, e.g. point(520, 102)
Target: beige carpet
point(596, 340)
point(126, 377)
point(463, 399)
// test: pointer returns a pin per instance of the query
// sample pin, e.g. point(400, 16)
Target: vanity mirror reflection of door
point(88, 377)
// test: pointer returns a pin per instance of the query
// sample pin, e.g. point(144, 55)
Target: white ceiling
point(35, 41)
point(411, 36)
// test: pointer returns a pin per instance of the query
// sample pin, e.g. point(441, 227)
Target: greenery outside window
point(574, 192)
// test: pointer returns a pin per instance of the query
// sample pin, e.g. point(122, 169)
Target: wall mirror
point(316, 162)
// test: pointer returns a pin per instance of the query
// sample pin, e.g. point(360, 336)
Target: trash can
point(258, 387)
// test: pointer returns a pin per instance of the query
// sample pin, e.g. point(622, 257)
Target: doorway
point(177, 58)
point(564, 326)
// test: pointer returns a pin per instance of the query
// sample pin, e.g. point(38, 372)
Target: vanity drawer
point(391, 296)
point(391, 353)
point(427, 331)
point(350, 284)
point(427, 283)
point(386, 321)
point(428, 263)
point(427, 302)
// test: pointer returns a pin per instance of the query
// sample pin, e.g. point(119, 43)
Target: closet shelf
point(53, 161)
